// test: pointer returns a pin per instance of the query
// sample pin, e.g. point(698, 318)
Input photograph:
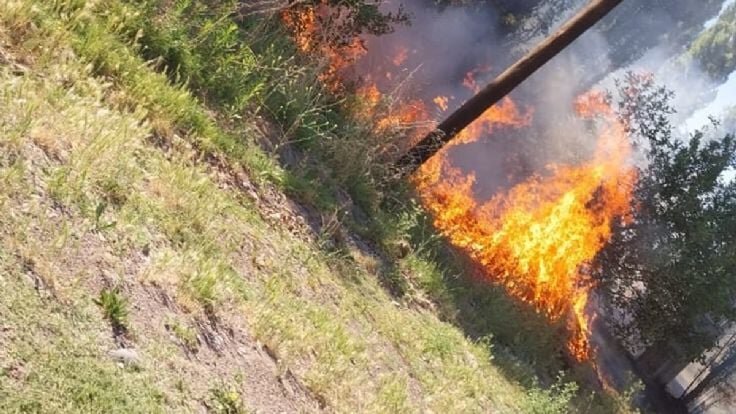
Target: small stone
point(127, 356)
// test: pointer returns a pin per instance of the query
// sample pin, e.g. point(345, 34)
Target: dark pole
point(504, 83)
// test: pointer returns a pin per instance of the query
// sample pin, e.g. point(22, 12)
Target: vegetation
point(714, 48)
point(671, 266)
point(146, 115)
point(630, 31)
point(115, 308)
point(132, 144)
point(226, 402)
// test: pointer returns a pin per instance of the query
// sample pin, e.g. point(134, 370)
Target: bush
point(553, 400)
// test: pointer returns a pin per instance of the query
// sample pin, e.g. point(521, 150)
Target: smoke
point(452, 51)
point(448, 53)
point(434, 55)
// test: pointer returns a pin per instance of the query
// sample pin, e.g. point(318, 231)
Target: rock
point(126, 356)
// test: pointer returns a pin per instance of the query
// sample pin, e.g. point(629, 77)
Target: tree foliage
point(672, 267)
point(715, 48)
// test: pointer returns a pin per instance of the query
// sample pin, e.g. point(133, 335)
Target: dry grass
point(91, 200)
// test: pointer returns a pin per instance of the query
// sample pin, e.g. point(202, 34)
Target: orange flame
point(409, 116)
point(504, 114)
point(370, 96)
point(401, 55)
point(537, 238)
point(305, 23)
point(469, 80)
point(441, 102)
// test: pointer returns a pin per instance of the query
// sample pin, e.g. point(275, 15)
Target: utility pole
point(505, 83)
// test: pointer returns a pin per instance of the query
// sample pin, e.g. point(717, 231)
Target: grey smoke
point(445, 43)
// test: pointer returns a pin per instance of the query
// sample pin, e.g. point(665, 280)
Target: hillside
point(172, 245)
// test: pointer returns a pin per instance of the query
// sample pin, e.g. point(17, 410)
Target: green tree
point(715, 48)
point(672, 268)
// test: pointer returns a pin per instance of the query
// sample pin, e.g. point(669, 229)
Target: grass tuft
point(226, 401)
point(114, 307)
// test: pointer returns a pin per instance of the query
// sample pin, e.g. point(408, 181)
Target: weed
point(186, 335)
point(115, 308)
point(99, 211)
point(225, 400)
point(394, 281)
point(393, 395)
point(56, 356)
point(213, 281)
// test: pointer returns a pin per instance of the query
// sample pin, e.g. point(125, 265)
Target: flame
point(370, 96)
point(401, 55)
point(303, 25)
point(469, 80)
point(441, 102)
point(579, 326)
point(537, 238)
point(306, 24)
point(410, 116)
point(470, 83)
point(504, 114)
point(591, 104)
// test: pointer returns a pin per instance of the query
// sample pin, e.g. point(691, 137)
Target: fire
point(370, 96)
point(579, 326)
point(411, 117)
point(310, 37)
point(303, 25)
point(591, 104)
point(470, 82)
point(389, 116)
point(537, 238)
point(441, 102)
point(400, 57)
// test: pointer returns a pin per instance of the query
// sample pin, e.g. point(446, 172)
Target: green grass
point(186, 335)
point(226, 401)
point(52, 359)
point(115, 308)
point(118, 147)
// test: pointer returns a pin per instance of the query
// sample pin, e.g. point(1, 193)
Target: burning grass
point(183, 234)
point(327, 319)
point(536, 238)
